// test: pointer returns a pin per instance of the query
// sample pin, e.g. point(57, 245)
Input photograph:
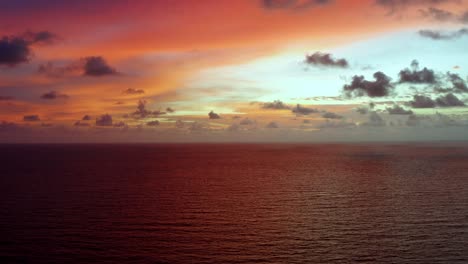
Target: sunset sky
point(244, 70)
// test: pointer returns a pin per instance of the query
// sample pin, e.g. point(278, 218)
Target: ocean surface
point(234, 203)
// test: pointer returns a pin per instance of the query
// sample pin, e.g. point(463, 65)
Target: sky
point(233, 71)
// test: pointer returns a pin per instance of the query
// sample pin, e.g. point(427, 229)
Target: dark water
point(233, 204)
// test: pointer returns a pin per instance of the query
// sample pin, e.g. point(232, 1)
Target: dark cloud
point(104, 120)
point(448, 101)
point(300, 110)
point(213, 115)
point(272, 125)
point(141, 109)
point(31, 118)
point(15, 50)
point(398, 110)
point(275, 105)
point(54, 95)
point(293, 4)
point(97, 66)
point(41, 37)
point(443, 35)
point(459, 85)
point(325, 59)
point(414, 75)
point(170, 110)
point(421, 101)
point(133, 91)
point(86, 118)
point(381, 87)
point(142, 112)
point(330, 115)
point(153, 123)
point(6, 98)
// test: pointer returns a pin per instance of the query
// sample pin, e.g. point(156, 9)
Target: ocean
point(234, 203)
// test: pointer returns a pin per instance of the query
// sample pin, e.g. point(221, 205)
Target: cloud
point(50, 70)
point(459, 85)
point(272, 125)
point(438, 14)
point(104, 120)
point(54, 95)
point(31, 118)
point(15, 50)
point(293, 4)
point(6, 98)
point(443, 35)
point(398, 110)
point(275, 105)
point(381, 87)
point(133, 91)
point(395, 5)
point(213, 115)
point(441, 15)
point(97, 66)
point(170, 110)
point(153, 123)
point(41, 37)
point(421, 101)
point(414, 75)
point(449, 100)
point(325, 59)
point(142, 112)
point(300, 110)
point(330, 115)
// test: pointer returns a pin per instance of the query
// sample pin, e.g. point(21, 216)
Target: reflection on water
point(234, 203)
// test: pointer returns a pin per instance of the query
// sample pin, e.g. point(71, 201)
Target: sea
point(234, 203)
